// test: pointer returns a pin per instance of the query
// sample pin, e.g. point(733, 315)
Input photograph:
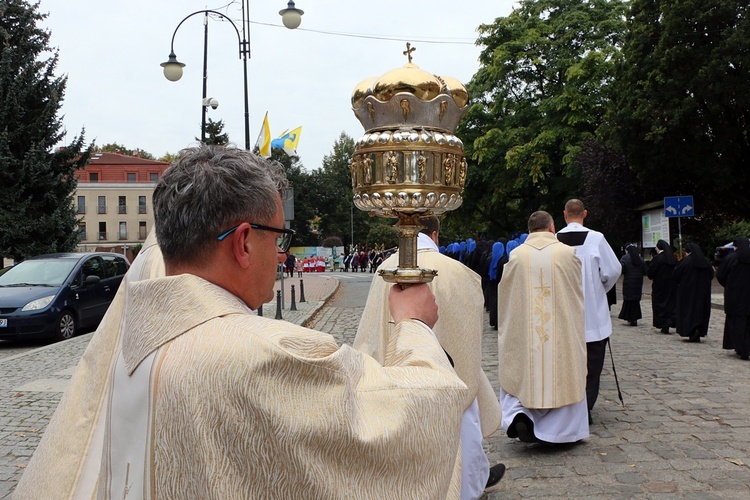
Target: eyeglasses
point(284, 241)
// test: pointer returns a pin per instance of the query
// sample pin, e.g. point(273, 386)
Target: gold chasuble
point(458, 293)
point(541, 330)
point(66, 462)
point(183, 393)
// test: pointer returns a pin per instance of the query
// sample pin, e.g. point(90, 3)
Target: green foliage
point(215, 134)
point(113, 147)
point(727, 233)
point(382, 233)
point(37, 185)
point(169, 157)
point(683, 104)
point(542, 90)
point(610, 191)
point(332, 241)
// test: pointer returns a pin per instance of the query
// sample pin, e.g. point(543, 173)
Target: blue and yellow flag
point(288, 141)
point(264, 139)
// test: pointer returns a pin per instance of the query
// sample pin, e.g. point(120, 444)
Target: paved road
point(684, 431)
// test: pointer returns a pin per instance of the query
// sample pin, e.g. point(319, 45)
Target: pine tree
point(37, 184)
point(215, 135)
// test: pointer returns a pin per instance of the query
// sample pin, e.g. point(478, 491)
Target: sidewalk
point(33, 382)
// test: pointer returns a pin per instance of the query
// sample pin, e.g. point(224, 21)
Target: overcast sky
point(111, 53)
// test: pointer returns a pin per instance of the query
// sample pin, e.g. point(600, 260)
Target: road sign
point(679, 206)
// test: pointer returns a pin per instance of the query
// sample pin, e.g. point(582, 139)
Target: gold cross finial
point(409, 50)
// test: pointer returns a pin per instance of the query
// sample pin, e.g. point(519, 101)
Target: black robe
point(693, 276)
point(734, 276)
point(662, 289)
point(632, 287)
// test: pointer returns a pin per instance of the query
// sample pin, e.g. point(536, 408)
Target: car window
point(38, 272)
point(93, 267)
point(115, 265)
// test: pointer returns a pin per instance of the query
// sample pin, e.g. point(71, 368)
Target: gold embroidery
point(541, 313)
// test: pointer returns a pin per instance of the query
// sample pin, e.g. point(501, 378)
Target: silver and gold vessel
point(409, 163)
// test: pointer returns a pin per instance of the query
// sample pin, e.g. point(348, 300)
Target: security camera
point(210, 101)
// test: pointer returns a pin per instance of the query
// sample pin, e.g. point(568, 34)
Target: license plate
point(3, 323)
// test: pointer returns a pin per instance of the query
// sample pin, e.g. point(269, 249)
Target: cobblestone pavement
point(683, 432)
point(33, 381)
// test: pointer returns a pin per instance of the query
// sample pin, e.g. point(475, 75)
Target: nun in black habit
point(693, 276)
point(734, 276)
point(633, 270)
point(663, 285)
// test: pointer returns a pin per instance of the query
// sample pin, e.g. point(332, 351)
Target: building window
point(153, 177)
point(122, 205)
point(93, 177)
point(141, 204)
point(123, 232)
point(142, 230)
point(102, 205)
point(81, 205)
point(82, 230)
point(102, 231)
point(131, 177)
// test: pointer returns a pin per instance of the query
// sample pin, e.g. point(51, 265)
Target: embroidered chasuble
point(182, 393)
point(460, 310)
point(541, 331)
point(66, 462)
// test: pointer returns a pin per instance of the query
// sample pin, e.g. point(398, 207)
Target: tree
point(610, 192)
point(37, 184)
point(683, 104)
point(383, 234)
point(215, 135)
point(113, 147)
point(335, 186)
point(541, 91)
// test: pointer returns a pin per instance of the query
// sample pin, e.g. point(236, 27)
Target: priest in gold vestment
point(204, 399)
point(541, 339)
point(458, 292)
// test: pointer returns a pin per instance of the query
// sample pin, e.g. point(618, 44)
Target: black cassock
point(693, 276)
point(662, 288)
point(734, 276)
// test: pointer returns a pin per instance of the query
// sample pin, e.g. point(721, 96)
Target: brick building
point(113, 200)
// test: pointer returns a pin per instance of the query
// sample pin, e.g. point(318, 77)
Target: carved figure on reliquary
point(448, 165)
point(391, 165)
point(367, 167)
point(422, 168)
point(462, 172)
point(353, 167)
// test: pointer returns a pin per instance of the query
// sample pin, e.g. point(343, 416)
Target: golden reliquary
point(408, 163)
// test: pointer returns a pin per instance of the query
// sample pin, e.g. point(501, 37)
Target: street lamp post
point(291, 17)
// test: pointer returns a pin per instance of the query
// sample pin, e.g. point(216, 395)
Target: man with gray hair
point(205, 399)
point(541, 343)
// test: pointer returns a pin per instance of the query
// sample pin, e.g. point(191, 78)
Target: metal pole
point(679, 234)
point(205, 77)
point(278, 304)
point(294, 304)
point(351, 218)
point(301, 291)
point(245, 51)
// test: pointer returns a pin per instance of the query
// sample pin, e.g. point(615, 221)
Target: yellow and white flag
point(264, 139)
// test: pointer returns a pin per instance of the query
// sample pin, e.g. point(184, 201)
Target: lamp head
point(291, 16)
point(172, 68)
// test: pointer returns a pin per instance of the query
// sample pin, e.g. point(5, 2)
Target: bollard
point(294, 305)
point(301, 291)
point(260, 310)
point(278, 304)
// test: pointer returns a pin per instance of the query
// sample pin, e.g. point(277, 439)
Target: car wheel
point(66, 326)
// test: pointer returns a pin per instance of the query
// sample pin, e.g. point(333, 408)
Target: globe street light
point(291, 17)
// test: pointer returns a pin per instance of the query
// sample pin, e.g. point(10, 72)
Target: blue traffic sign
point(679, 206)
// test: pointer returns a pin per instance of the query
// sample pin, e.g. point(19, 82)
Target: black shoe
point(525, 428)
point(665, 329)
point(744, 356)
point(695, 337)
point(633, 323)
point(496, 474)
